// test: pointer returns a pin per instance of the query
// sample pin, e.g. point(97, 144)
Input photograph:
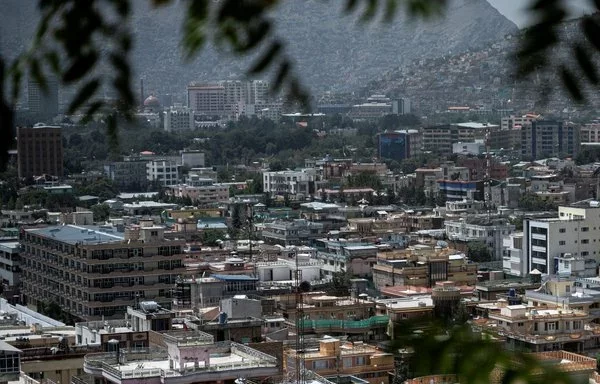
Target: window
point(585, 229)
point(585, 241)
point(562, 242)
point(562, 230)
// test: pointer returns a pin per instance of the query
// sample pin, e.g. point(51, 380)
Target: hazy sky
point(516, 10)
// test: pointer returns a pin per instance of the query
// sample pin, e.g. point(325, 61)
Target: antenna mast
point(299, 324)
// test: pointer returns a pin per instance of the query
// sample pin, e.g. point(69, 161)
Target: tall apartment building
point(43, 101)
point(97, 272)
point(575, 232)
point(549, 138)
point(257, 92)
point(40, 151)
point(206, 99)
point(439, 138)
point(489, 232)
point(165, 172)
point(178, 118)
point(399, 145)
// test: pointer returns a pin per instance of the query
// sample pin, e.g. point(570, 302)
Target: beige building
point(423, 267)
point(332, 357)
point(96, 272)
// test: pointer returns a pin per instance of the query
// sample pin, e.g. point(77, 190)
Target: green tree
point(101, 212)
point(478, 252)
point(11, 203)
point(210, 237)
point(19, 204)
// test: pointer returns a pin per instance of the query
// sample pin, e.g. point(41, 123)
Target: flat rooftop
point(73, 234)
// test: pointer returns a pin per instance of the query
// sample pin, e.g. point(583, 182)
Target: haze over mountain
point(332, 51)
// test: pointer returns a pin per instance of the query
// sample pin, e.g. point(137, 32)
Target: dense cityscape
point(435, 213)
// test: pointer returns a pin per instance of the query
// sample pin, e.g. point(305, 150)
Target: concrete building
point(423, 267)
point(513, 262)
point(40, 151)
point(95, 272)
point(130, 174)
point(549, 138)
point(439, 138)
point(164, 172)
point(513, 122)
point(202, 191)
point(590, 133)
point(43, 102)
point(179, 119)
point(294, 232)
point(10, 264)
point(401, 106)
point(281, 271)
point(473, 148)
point(188, 356)
point(576, 231)
point(398, 145)
point(337, 256)
point(332, 357)
point(206, 99)
point(193, 159)
point(482, 229)
point(291, 182)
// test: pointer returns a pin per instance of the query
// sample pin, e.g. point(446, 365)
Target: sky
point(516, 10)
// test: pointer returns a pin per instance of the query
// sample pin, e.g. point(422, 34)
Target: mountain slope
point(331, 50)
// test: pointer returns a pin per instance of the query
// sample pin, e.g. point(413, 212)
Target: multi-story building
point(549, 138)
point(292, 182)
point(282, 270)
point(178, 118)
point(206, 99)
point(590, 133)
point(482, 229)
point(575, 231)
point(512, 255)
point(201, 191)
point(513, 122)
point(40, 151)
point(294, 232)
point(43, 102)
point(95, 272)
point(337, 256)
point(439, 138)
point(10, 264)
point(423, 267)
point(399, 145)
point(165, 172)
point(130, 174)
point(188, 356)
point(332, 357)
point(193, 159)
point(543, 329)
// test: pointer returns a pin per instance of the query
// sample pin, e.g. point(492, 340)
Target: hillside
point(484, 78)
point(332, 51)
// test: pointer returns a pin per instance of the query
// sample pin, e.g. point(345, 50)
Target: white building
point(193, 159)
point(292, 182)
point(489, 232)
point(10, 265)
point(575, 231)
point(178, 118)
point(513, 262)
point(473, 148)
point(166, 172)
point(282, 271)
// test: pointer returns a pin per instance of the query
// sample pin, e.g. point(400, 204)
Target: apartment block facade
point(575, 232)
point(40, 151)
point(549, 138)
point(96, 272)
